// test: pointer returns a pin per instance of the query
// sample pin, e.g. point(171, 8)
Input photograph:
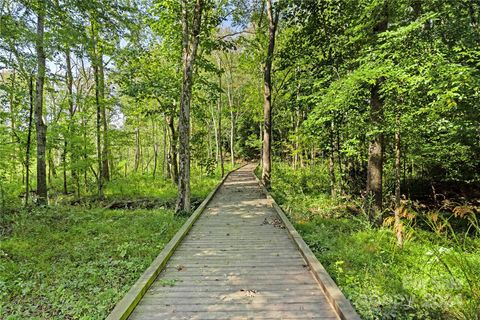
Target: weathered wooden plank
point(237, 299)
point(299, 287)
point(125, 306)
point(336, 298)
point(229, 307)
point(235, 315)
point(237, 262)
point(226, 295)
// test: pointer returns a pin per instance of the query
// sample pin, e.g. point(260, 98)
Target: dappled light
point(354, 126)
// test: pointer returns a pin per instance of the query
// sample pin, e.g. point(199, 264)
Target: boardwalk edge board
point(335, 297)
point(125, 307)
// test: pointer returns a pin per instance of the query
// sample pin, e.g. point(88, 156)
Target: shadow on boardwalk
point(237, 262)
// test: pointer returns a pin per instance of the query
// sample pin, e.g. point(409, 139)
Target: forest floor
point(77, 261)
point(435, 276)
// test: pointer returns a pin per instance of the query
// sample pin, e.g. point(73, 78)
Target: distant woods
point(111, 89)
point(381, 94)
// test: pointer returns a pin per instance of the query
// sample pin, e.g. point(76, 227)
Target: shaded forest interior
point(363, 115)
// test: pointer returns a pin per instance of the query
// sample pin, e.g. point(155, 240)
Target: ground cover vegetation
point(118, 117)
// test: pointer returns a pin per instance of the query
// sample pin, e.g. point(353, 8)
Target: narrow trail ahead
point(237, 262)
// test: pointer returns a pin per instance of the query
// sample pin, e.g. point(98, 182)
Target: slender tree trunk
point(71, 110)
point(164, 137)
point(375, 158)
point(296, 123)
point(232, 116)
point(215, 130)
point(398, 172)
point(209, 139)
point(219, 115)
point(105, 149)
point(64, 166)
point(98, 102)
point(137, 149)
point(41, 127)
point(13, 155)
point(267, 95)
point(331, 163)
point(173, 150)
point(69, 82)
point(376, 149)
point(260, 133)
point(29, 140)
point(190, 44)
point(232, 137)
point(155, 148)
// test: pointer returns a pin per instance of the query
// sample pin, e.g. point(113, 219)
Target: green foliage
point(69, 262)
point(434, 276)
point(75, 262)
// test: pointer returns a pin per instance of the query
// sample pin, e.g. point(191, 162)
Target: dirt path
point(237, 262)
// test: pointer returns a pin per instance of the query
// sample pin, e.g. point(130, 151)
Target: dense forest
point(118, 117)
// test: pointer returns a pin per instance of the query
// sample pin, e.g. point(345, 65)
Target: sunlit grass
point(74, 262)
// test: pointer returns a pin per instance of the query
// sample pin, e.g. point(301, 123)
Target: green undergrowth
point(435, 276)
point(73, 263)
point(76, 262)
point(142, 185)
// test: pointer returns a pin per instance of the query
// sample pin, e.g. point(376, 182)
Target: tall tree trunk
point(267, 96)
point(164, 137)
point(375, 157)
point(215, 130)
point(98, 102)
point(190, 45)
point(64, 166)
point(39, 121)
point(296, 123)
point(29, 140)
point(219, 115)
point(13, 155)
point(137, 149)
point(232, 116)
point(232, 137)
point(105, 150)
point(376, 149)
point(331, 162)
point(155, 148)
point(71, 111)
point(398, 172)
point(173, 150)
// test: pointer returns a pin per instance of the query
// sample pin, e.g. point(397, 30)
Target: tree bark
point(137, 149)
point(103, 107)
point(164, 137)
point(155, 148)
point(331, 163)
point(398, 172)
point(376, 149)
point(215, 130)
point(29, 140)
point(98, 102)
point(232, 115)
point(267, 96)
point(219, 115)
point(190, 45)
point(173, 150)
point(40, 125)
point(71, 110)
point(375, 157)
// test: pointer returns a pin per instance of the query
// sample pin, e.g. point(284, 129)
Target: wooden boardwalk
point(237, 262)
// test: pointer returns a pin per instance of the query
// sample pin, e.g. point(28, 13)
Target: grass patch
point(76, 262)
point(435, 275)
point(72, 263)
